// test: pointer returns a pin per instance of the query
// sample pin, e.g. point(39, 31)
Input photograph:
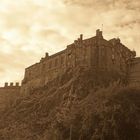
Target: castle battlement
point(11, 85)
point(10, 89)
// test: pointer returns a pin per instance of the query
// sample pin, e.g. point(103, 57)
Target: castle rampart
point(9, 92)
point(11, 85)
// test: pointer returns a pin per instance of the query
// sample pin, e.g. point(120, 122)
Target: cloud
point(128, 4)
point(120, 18)
point(28, 29)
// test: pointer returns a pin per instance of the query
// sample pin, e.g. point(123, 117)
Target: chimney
point(6, 84)
point(81, 37)
point(99, 33)
point(47, 54)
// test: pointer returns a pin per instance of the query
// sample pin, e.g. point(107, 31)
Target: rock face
point(74, 105)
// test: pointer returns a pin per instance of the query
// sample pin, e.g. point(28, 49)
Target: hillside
point(77, 106)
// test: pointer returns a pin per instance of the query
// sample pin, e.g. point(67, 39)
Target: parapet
point(11, 84)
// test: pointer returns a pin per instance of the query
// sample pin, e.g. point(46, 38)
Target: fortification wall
point(113, 56)
point(51, 66)
point(13, 90)
point(95, 52)
point(47, 69)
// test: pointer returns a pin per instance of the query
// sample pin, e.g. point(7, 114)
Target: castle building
point(95, 52)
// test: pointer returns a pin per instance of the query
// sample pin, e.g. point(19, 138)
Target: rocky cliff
point(75, 106)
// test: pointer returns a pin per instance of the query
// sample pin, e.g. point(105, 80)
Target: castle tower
point(99, 34)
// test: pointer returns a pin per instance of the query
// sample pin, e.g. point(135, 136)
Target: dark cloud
point(130, 4)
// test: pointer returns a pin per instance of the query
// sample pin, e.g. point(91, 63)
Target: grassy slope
point(71, 102)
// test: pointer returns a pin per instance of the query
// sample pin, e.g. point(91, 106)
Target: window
point(113, 50)
point(103, 51)
point(62, 60)
point(69, 55)
point(113, 58)
point(50, 64)
point(56, 62)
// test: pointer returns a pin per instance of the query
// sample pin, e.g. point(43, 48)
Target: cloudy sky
point(29, 28)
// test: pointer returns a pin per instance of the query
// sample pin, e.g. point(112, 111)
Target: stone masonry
point(9, 92)
point(95, 52)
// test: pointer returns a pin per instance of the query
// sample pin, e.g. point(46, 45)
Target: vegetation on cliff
point(72, 106)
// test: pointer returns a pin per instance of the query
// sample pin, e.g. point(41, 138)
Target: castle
point(96, 53)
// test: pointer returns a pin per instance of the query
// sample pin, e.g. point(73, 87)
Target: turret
point(81, 37)
point(99, 33)
point(79, 40)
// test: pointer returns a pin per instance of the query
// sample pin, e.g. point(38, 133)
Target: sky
point(30, 28)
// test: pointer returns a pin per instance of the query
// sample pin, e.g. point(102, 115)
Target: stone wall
point(95, 52)
point(134, 73)
point(8, 93)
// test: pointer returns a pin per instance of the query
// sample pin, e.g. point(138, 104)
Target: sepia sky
point(29, 28)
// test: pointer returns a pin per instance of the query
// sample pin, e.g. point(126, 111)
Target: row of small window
point(56, 62)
